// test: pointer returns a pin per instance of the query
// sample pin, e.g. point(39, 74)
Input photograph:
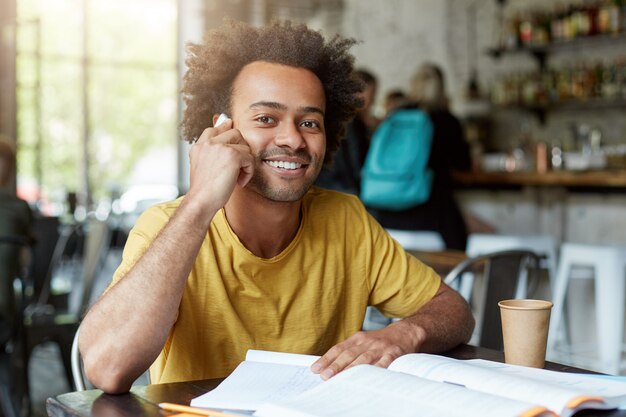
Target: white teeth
point(284, 164)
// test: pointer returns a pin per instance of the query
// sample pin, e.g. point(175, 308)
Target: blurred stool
point(425, 240)
point(543, 245)
point(608, 263)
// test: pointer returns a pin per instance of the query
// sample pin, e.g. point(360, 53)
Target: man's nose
point(289, 135)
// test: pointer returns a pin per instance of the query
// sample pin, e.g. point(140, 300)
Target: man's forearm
point(125, 331)
point(443, 323)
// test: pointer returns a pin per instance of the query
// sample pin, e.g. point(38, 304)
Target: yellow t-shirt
point(308, 298)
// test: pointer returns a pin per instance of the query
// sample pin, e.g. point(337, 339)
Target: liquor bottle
point(604, 17)
point(526, 27)
point(614, 15)
point(557, 22)
point(609, 85)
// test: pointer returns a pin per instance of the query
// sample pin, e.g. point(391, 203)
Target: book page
point(280, 357)
point(254, 383)
point(611, 386)
point(369, 391)
point(561, 398)
point(612, 389)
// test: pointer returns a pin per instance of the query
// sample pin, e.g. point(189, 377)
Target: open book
point(414, 385)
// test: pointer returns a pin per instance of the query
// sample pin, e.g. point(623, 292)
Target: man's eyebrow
point(312, 109)
point(280, 106)
point(271, 104)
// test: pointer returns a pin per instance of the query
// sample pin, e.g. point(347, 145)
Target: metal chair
point(77, 366)
point(545, 245)
point(44, 322)
point(608, 263)
point(13, 389)
point(501, 273)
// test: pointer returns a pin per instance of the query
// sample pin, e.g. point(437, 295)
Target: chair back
point(13, 387)
point(11, 248)
point(46, 235)
point(544, 245)
point(501, 274)
point(97, 239)
point(78, 256)
point(77, 366)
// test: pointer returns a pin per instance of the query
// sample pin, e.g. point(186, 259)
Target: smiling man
point(253, 256)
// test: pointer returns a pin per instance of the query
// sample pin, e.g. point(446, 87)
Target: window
point(97, 97)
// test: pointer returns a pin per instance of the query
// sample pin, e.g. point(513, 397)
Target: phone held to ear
point(223, 117)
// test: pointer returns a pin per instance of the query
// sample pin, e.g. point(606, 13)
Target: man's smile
point(284, 164)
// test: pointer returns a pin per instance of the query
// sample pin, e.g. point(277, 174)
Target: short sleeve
point(400, 283)
point(147, 228)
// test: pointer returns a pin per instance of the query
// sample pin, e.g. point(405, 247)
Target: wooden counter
point(585, 179)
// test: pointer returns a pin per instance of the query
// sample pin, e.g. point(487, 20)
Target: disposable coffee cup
point(525, 331)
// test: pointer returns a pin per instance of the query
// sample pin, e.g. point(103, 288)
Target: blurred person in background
point(394, 99)
point(449, 151)
point(344, 174)
point(15, 226)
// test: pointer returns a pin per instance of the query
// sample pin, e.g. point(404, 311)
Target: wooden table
point(588, 179)
point(142, 400)
point(441, 261)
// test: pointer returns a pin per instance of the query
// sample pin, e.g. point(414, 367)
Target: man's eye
point(265, 119)
point(310, 124)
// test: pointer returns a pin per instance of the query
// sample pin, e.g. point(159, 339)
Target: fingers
point(323, 365)
point(224, 133)
point(220, 160)
point(371, 348)
point(354, 351)
point(247, 169)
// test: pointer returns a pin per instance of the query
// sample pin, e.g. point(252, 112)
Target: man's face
point(279, 111)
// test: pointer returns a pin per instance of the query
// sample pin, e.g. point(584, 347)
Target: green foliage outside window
point(131, 90)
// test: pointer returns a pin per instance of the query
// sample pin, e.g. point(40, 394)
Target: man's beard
point(284, 193)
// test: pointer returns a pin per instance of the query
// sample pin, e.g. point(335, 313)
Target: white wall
point(396, 36)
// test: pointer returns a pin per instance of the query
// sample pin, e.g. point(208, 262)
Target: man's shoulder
point(161, 211)
point(168, 206)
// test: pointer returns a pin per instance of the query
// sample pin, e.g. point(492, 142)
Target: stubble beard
point(288, 192)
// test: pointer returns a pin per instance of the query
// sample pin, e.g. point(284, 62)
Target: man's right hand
point(219, 160)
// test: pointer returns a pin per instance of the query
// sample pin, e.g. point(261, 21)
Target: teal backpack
point(395, 175)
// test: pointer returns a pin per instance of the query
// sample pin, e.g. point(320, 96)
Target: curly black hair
point(214, 65)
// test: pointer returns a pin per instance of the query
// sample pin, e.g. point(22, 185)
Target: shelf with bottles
point(581, 87)
point(540, 52)
point(587, 24)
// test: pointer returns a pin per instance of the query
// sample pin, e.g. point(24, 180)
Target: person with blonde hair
point(449, 151)
point(428, 88)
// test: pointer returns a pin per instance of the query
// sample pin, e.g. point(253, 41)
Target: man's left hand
point(378, 347)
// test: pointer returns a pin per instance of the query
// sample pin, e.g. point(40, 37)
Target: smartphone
point(223, 117)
